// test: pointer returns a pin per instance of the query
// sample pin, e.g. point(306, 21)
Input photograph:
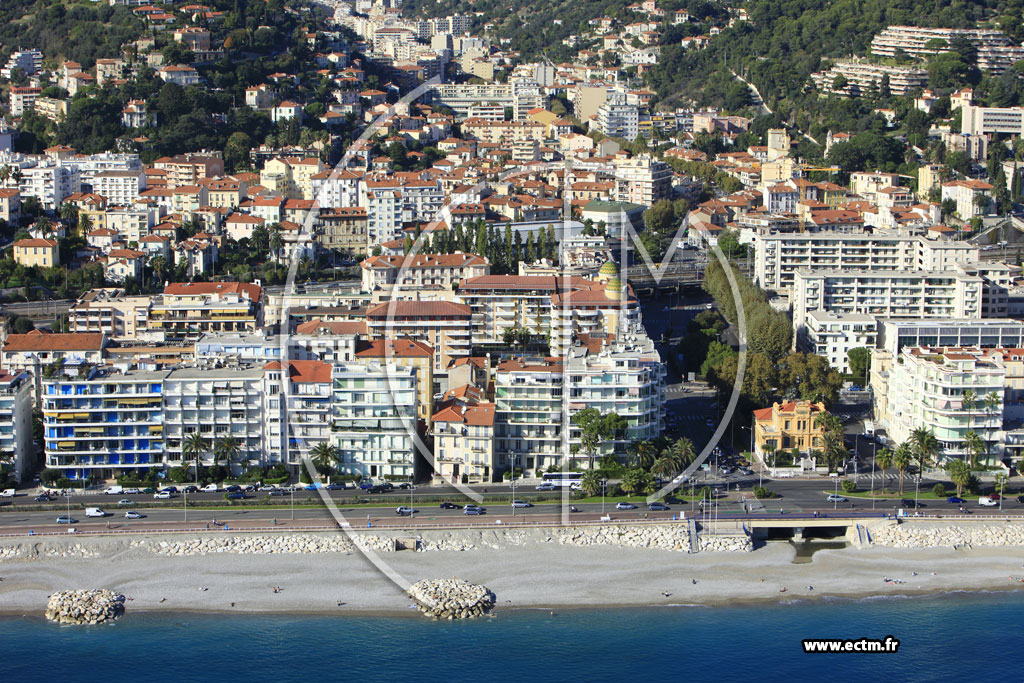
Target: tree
point(325, 456)
point(193, 447)
point(643, 454)
point(635, 480)
point(591, 482)
point(974, 445)
point(883, 459)
point(924, 448)
point(663, 467)
point(959, 473)
point(901, 460)
point(596, 428)
point(859, 359)
point(682, 452)
point(226, 449)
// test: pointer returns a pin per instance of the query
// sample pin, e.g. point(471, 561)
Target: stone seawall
point(914, 534)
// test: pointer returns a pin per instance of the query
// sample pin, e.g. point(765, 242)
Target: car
point(994, 496)
point(251, 488)
point(546, 486)
point(833, 498)
point(95, 512)
point(1020, 499)
point(64, 519)
point(232, 488)
point(236, 495)
point(209, 488)
point(191, 488)
point(625, 506)
point(43, 498)
point(404, 511)
point(522, 504)
point(657, 507)
point(163, 495)
point(473, 510)
point(132, 514)
point(387, 486)
point(746, 471)
point(131, 491)
point(126, 501)
point(955, 500)
point(148, 489)
point(335, 487)
point(266, 487)
point(170, 489)
point(113, 490)
point(278, 492)
point(449, 506)
point(312, 487)
point(406, 486)
point(908, 503)
point(987, 502)
point(365, 485)
point(377, 489)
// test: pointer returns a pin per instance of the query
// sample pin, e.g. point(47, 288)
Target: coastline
point(531, 576)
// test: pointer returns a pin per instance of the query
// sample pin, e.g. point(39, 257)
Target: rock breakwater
point(451, 598)
point(926, 535)
point(84, 606)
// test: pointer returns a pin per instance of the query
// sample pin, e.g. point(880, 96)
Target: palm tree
point(591, 482)
point(69, 213)
point(325, 456)
point(901, 460)
point(883, 459)
point(970, 399)
point(276, 242)
point(991, 401)
point(193, 447)
point(974, 445)
point(159, 266)
point(644, 454)
point(226, 449)
point(663, 467)
point(682, 452)
point(924, 448)
point(959, 473)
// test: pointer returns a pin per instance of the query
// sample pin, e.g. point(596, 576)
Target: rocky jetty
point(84, 606)
point(663, 537)
point(930, 535)
point(451, 598)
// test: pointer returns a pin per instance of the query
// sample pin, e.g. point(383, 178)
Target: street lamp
point(874, 447)
point(512, 457)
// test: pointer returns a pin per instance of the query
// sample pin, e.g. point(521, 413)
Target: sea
point(942, 638)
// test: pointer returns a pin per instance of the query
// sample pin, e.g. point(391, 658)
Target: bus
point(564, 479)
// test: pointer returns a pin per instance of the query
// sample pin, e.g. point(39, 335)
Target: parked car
point(657, 507)
point(191, 488)
point(625, 506)
point(170, 489)
point(365, 485)
point(163, 495)
point(404, 511)
point(210, 488)
point(113, 490)
point(449, 506)
point(335, 487)
point(132, 514)
point(132, 491)
point(232, 488)
point(64, 519)
point(522, 504)
point(955, 500)
point(148, 489)
point(833, 498)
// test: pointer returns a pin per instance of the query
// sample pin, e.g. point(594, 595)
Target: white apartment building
point(297, 409)
point(777, 256)
point(218, 400)
point(121, 188)
point(926, 388)
point(520, 95)
point(528, 413)
point(832, 336)
point(617, 118)
point(23, 98)
point(29, 61)
point(383, 216)
point(16, 422)
point(861, 76)
point(336, 189)
point(895, 334)
point(996, 53)
point(421, 271)
point(972, 197)
point(49, 182)
point(904, 293)
point(464, 443)
point(374, 419)
point(107, 311)
point(642, 180)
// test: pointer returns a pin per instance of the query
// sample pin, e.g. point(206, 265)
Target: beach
point(531, 574)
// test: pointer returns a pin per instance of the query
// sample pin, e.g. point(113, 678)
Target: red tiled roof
point(394, 348)
point(304, 371)
point(76, 341)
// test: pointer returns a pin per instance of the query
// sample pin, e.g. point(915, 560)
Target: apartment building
point(529, 415)
point(778, 256)
point(973, 197)
point(996, 53)
point(107, 311)
point(187, 310)
point(618, 118)
point(926, 389)
point(29, 61)
point(832, 336)
point(10, 206)
point(297, 409)
point(34, 351)
point(521, 96)
point(343, 229)
point(503, 131)
point(36, 253)
point(464, 442)
point(16, 423)
point(99, 422)
point(405, 353)
point(861, 76)
point(218, 400)
point(190, 168)
point(442, 325)
point(904, 293)
point(23, 98)
point(642, 180)
point(121, 188)
point(895, 334)
point(373, 422)
point(421, 271)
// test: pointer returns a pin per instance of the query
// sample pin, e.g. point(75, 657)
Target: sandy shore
point(531, 576)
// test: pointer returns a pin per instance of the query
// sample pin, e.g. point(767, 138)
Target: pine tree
point(517, 252)
point(528, 250)
point(481, 241)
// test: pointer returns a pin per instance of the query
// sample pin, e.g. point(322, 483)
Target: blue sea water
point(942, 638)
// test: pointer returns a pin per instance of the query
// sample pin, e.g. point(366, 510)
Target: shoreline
point(534, 572)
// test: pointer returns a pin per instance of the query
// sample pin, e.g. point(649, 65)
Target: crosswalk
point(877, 476)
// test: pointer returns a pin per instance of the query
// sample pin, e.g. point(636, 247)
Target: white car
point(163, 495)
point(546, 486)
point(833, 498)
point(130, 492)
point(987, 502)
point(132, 514)
point(522, 504)
point(209, 487)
